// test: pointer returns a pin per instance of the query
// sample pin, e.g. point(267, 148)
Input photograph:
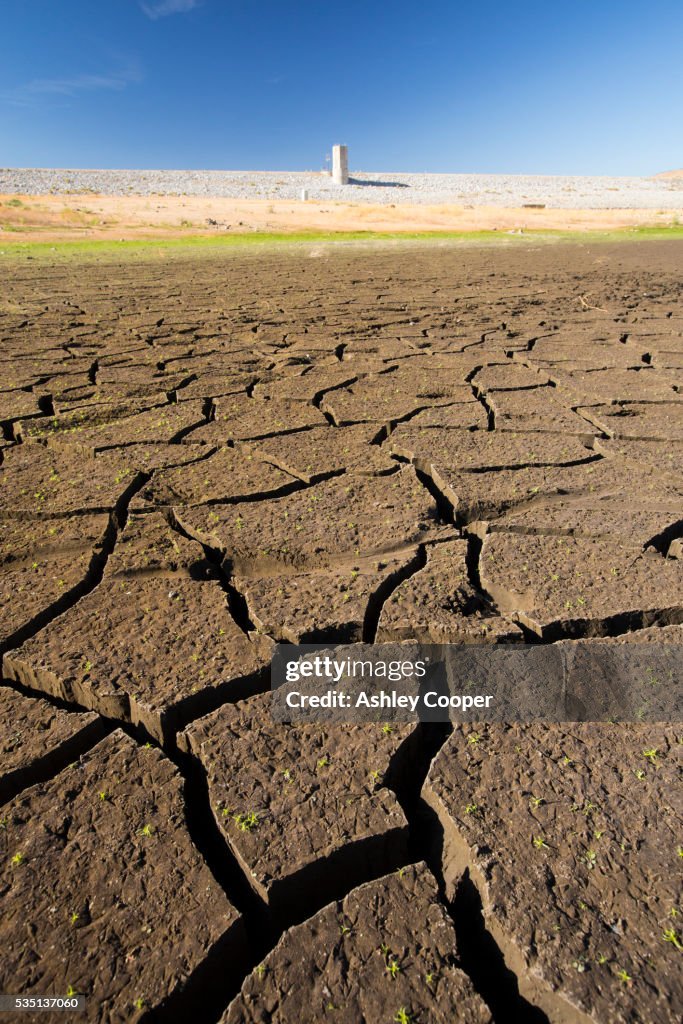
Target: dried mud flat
point(202, 458)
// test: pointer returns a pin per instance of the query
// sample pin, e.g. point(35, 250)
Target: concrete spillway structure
point(340, 165)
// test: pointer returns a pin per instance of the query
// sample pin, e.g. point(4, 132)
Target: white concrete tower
point(340, 165)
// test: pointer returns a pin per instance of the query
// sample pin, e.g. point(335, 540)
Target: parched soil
point(203, 457)
point(95, 863)
point(388, 948)
point(39, 739)
point(153, 643)
point(303, 807)
point(574, 848)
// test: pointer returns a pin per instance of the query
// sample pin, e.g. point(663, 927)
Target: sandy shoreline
point(48, 218)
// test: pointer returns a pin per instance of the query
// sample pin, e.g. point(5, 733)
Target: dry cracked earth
point(203, 457)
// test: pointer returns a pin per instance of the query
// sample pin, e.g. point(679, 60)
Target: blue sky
point(530, 87)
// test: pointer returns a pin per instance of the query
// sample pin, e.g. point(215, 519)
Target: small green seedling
point(540, 843)
point(671, 935)
point(624, 976)
point(246, 822)
point(403, 1016)
point(393, 967)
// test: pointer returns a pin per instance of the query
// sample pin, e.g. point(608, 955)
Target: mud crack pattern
point(201, 458)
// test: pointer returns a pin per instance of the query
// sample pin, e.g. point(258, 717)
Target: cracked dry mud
point(202, 457)
point(93, 861)
point(574, 851)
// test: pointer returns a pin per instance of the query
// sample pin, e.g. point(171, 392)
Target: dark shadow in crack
point(482, 960)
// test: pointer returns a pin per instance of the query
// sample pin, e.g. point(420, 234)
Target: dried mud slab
point(225, 476)
point(390, 396)
point(74, 400)
point(304, 386)
point(631, 677)
point(438, 604)
point(305, 808)
point(45, 566)
point(478, 450)
point(215, 384)
point(240, 418)
point(572, 836)
point(466, 415)
point(71, 425)
point(163, 424)
point(339, 605)
point(385, 952)
point(15, 405)
point(508, 376)
point(644, 384)
point(489, 493)
point(147, 456)
point(337, 521)
point(39, 739)
point(153, 644)
point(569, 352)
point(638, 421)
point(93, 861)
point(637, 526)
point(663, 455)
point(37, 480)
point(311, 455)
point(536, 410)
point(578, 585)
point(383, 404)
point(667, 359)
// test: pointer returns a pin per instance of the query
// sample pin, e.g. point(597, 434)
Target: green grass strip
point(214, 244)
